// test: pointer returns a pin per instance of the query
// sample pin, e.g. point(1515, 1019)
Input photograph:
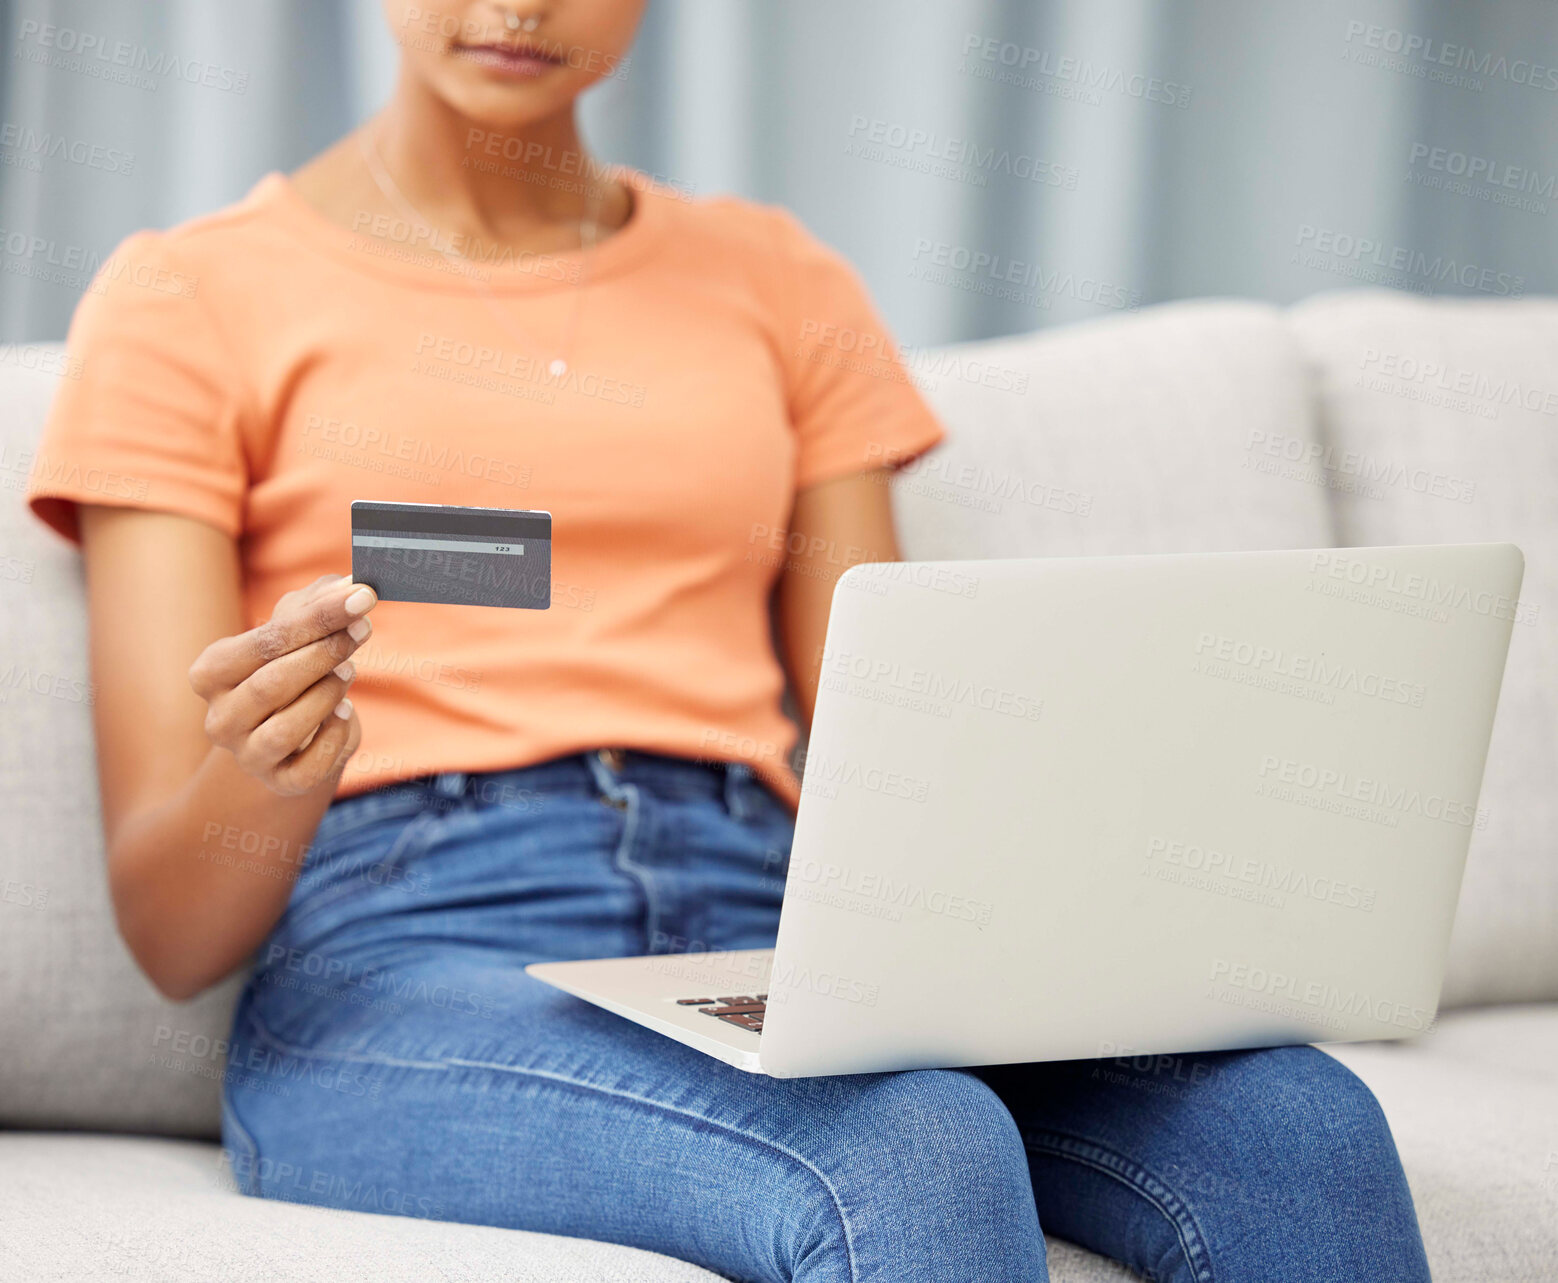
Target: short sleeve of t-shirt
point(852, 401)
point(152, 417)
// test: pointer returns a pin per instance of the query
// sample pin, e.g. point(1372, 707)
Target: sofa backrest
point(1171, 430)
point(1358, 418)
point(1138, 433)
point(85, 1041)
point(1441, 425)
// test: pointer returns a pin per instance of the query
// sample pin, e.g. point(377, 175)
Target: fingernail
point(359, 631)
point(359, 602)
point(345, 670)
point(343, 710)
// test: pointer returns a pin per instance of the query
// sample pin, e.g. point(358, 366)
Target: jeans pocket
point(350, 815)
point(768, 813)
point(361, 866)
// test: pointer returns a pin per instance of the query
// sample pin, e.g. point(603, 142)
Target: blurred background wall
point(992, 166)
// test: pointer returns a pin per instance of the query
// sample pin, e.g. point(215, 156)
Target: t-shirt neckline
point(414, 263)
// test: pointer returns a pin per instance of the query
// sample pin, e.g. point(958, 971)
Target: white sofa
point(1362, 418)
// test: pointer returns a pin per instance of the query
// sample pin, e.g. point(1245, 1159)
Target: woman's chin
point(503, 106)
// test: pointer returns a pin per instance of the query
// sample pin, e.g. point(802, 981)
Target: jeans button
point(611, 758)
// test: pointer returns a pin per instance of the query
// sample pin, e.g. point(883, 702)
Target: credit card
point(436, 552)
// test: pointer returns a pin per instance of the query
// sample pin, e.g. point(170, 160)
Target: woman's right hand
point(275, 695)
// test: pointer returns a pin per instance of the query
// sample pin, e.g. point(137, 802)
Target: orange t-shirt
point(262, 367)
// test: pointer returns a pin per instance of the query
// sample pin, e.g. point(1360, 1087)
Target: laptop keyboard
point(745, 1011)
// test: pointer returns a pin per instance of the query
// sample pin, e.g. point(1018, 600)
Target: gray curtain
point(992, 166)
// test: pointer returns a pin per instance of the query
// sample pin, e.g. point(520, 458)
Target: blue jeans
point(389, 1054)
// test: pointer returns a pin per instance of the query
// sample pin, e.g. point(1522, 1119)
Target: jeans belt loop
point(603, 765)
point(449, 783)
point(736, 775)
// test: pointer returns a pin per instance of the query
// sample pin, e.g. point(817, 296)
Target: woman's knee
point(1315, 1142)
point(1311, 1107)
point(944, 1125)
point(925, 1168)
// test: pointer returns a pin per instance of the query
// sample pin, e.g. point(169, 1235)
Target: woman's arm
point(242, 765)
point(837, 524)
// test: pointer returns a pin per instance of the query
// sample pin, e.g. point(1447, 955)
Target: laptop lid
point(1082, 807)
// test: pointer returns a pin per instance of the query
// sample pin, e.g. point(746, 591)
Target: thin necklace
point(589, 232)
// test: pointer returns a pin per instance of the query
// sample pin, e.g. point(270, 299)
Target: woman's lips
point(514, 63)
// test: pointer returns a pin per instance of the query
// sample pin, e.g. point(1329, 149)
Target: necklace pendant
point(557, 368)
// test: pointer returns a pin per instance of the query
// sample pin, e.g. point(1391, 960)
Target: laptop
point(1114, 806)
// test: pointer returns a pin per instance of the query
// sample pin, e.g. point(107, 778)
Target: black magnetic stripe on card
point(441, 521)
point(452, 536)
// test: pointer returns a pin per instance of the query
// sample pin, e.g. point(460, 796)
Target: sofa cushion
point(1470, 1106)
point(86, 1206)
point(1154, 432)
point(1474, 1109)
point(1441, 416)
point(80, 1206)
point(87, 1041)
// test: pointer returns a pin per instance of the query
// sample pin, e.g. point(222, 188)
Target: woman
point(455, 305)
